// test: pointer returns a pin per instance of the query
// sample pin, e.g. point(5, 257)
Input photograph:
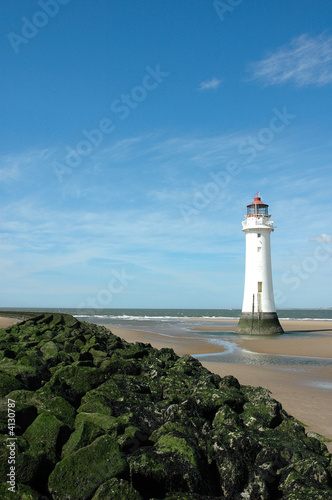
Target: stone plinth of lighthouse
point(259, 316)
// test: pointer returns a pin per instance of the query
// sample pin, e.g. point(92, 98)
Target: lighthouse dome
point(257, 207)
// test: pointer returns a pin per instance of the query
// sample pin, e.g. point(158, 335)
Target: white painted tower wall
point(258, 285)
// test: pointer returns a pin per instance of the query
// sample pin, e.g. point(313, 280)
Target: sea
point(188, 322)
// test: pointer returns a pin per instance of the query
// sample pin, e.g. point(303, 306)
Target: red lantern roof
point(257, 208)
point(257, 201)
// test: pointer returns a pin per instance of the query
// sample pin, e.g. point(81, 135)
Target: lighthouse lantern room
point(259, 316)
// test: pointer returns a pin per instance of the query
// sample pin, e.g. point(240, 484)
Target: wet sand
point(319, 346)
point(6, 322)
point(181, 345)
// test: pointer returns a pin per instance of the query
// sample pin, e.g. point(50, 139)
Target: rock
point(47, 435)
point(107, 423)
point(261, 410)
point(80, 474)
point(84, 434)
point(155, 472)
point(116, 489)
point(9, 383)
point(49, 350)
point(44, 401)
point(24, 416)
point(21, 491)
point(72, 382)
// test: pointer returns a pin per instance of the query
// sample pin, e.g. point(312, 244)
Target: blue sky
point(134, 134)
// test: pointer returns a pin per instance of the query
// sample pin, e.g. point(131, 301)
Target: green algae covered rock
point(44, 401)
point(116, 489)
point(9, 383)
point(30, 466)
point(46, 435)
point(84, 434)
point(72, 382)
point(99, 418)
point(81, 473)
point(21, 491)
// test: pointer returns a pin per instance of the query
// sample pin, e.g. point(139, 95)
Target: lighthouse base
point(259, 324)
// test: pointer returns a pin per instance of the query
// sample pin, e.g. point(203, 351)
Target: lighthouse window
point(260, 285)
point(263, 210)
point(259, 249)
point(259, 235)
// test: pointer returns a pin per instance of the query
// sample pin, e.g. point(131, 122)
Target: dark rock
point(22, 492)
point(84, 434)
point(9, 383)
point(116, 489)
point(72, 382)
point(81, 473)
point(24, 416)
point(47, 435)
point(261, 410)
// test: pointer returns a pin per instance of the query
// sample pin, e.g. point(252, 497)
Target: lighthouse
point(259, 316)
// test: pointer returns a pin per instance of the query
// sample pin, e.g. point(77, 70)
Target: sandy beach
point(305, 392)
point(5, 322)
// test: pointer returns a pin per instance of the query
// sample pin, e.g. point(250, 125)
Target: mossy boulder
point(261, 410)
point(84, 434)
point(49, 350)
point(9, 383)
point(29, 466)
point(29, 375)
point(21, 491)
point(44, 401)
point(47, 435)
point(25, 414)
point(116, 489)
point(72, 382)
point(81, 473)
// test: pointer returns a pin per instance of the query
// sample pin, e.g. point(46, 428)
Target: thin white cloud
point(17, 165)
point(9, 173)
point(214, 83)
point(323, 238)
point(305, 61)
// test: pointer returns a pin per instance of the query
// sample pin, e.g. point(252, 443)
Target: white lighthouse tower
point(259, 316)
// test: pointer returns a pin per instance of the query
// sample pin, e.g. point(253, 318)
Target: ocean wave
point(161, 318)
point(126, 317)
point(305, 319)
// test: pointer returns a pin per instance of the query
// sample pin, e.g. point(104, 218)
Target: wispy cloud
point(214, 83)
point(323, 238)
point(305, 61)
